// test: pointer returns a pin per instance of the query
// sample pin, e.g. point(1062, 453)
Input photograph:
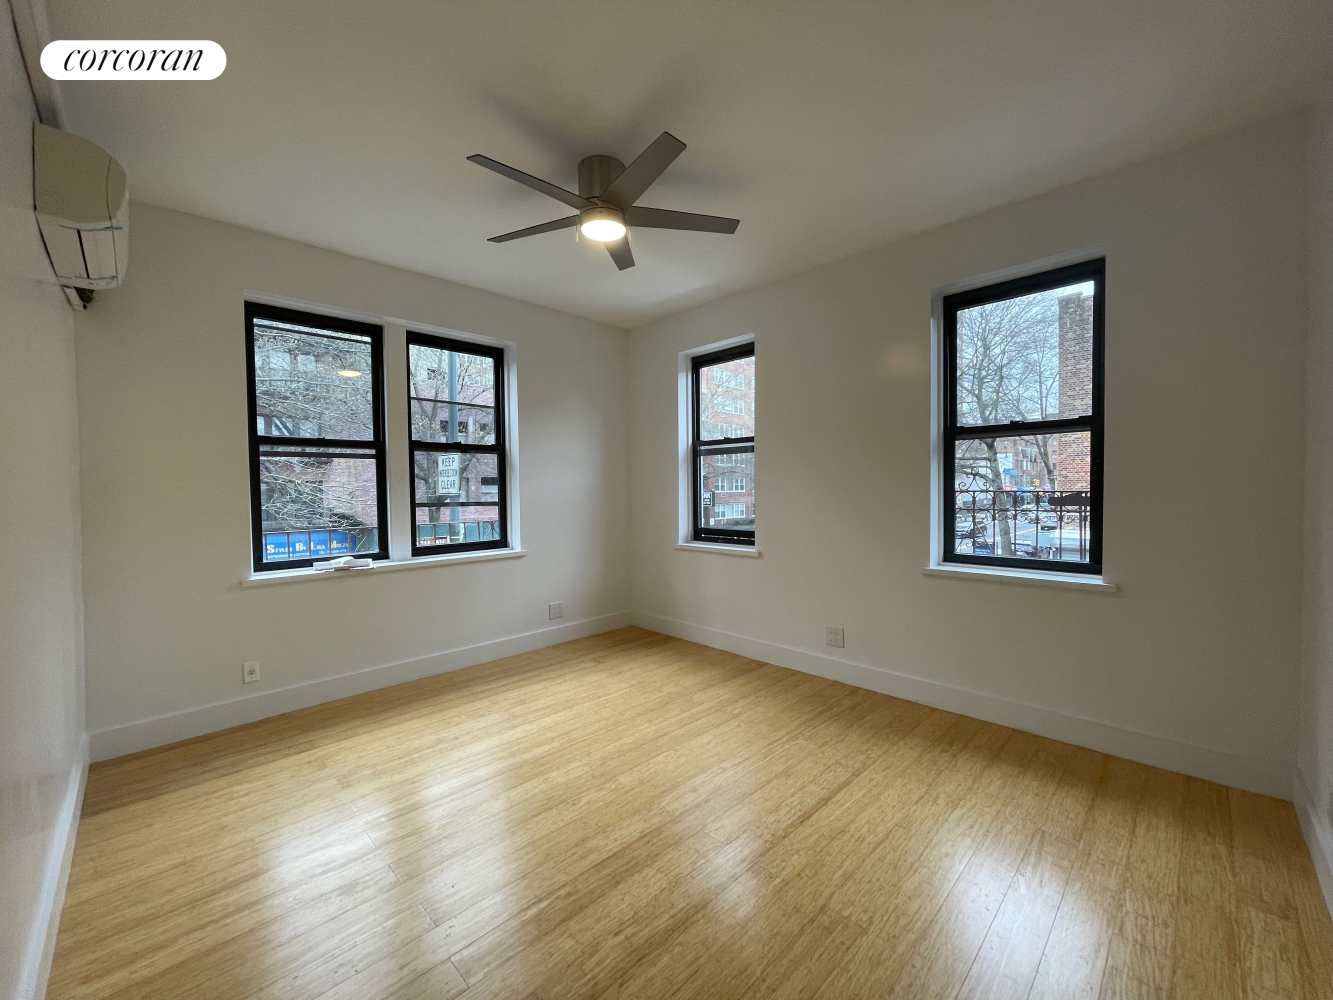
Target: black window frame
point(500, 448)
point(1094, 423)
point(714, 446)
point(335, 324)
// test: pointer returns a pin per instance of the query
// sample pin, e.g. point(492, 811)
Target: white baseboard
point(60, 852)
point(1268, 777)
point(1318, 837)
point(160, 730)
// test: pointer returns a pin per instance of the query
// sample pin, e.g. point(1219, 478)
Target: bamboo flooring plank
point(240, 950)
point(1270, 949)
point(1314, 926)
point(1139, 954)
point(1261, 877)
point(639, 871)
point(549, 787)
point(1073, 962)
point(468, 879)
point(853, 822)
point(1021, 783)
point(442, 982)
point(634, 817)
point(1205, 953)
point(955, 886)
point(674, 771)
point(1006, 963)
point(938, 830)
point(146, 922)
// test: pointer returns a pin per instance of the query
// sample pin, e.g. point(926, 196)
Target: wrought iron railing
point(454, 532)
point(1023, 523)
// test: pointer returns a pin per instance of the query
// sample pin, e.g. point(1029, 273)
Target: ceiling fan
point(607, 192)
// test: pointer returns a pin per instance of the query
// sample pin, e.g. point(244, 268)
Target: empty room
point(666, 501)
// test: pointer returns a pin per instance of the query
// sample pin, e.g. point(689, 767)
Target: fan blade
point(568, 222)
point(536, 183)
point(619, 251)
point(626, 189)
point(663, 218)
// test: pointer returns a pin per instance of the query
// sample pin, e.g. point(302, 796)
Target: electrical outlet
point(556, 610)
point(833, 637)
point(250, 672)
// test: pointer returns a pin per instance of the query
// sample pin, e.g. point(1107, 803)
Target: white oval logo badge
point(133, 60)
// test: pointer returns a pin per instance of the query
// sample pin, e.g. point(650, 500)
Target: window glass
point(317, 449)
point(444, 477)
point(723, 423)
point(318, 505)
point(1026, 497)
point(457, 445)
point(1022, 438)
point(727, 484)
point(457, 525)
point(453, 395)
point(312, 383)
point(1028, 357)
point(726, 400)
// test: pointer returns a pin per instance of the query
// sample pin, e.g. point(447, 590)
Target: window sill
point(1023, 577)
point(746, 551)
point(297, 575)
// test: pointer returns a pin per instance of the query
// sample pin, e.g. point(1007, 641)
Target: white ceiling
point(826, 127)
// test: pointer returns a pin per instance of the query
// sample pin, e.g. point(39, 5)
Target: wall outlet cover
point(250, 672)
point(556, 610)
point(833, 637)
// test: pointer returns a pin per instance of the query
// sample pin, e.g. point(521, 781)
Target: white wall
point(1315, 787)
point(41, 684)
point(166, 506)
point(1193, 663)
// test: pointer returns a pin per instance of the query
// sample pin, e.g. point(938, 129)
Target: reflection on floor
point(632, 816)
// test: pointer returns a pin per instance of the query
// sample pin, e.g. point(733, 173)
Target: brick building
point(1070, 451)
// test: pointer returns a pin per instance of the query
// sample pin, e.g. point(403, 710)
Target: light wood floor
point(631, 817)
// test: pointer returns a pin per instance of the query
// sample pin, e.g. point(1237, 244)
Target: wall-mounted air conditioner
point(83, 208)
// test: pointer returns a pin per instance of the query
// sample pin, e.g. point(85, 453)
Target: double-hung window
point(457, 445)
point(722, 449)
point(317, 481)
point(1022, 423)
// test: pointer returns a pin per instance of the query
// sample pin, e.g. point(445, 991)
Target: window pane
point(452, 525)
point(441, 423)
point(318, 505)
point(726, 400)
point(444, 477)
point(1023, 497)
point(1026, 358)
point(311, 383)
point(453, 395)
point(727, 491)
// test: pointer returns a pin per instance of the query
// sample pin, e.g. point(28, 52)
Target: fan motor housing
point(596, 174)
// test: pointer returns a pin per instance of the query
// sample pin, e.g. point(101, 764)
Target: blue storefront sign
point(283, 545)
point(275, 546)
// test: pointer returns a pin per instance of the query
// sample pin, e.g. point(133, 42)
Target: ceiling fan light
point(604, 225)
point(604, 230)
